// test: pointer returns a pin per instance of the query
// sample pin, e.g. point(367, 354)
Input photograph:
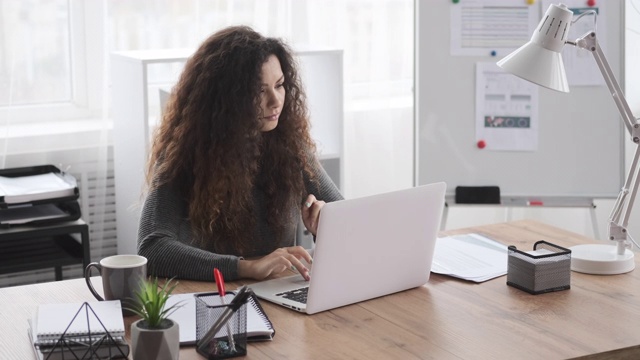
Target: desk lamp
point(540, 61)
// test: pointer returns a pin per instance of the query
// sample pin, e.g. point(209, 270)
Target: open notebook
point(259, 326)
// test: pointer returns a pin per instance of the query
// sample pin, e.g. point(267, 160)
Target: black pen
point(240, 299)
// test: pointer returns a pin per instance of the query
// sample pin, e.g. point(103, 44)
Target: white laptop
point(365, 248)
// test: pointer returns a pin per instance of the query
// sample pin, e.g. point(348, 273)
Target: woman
point(232, 166)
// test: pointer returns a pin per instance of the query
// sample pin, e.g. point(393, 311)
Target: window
point(35, 60)
point(42, 65)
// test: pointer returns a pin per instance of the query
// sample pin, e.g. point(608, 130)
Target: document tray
point(40, 214)
point(37, 195)
point(20, 186)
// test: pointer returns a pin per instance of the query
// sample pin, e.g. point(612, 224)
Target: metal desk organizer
point(208, 310)
point(545, 269)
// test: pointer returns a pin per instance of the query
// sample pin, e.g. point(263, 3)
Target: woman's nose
point(273, 99)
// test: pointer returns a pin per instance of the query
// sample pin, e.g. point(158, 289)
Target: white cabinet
point(321, 73)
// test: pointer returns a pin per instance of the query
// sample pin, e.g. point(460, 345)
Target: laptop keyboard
point(299, 295)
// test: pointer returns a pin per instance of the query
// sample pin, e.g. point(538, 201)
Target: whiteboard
point(580, 149)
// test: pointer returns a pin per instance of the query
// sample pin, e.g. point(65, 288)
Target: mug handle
point(87, 275)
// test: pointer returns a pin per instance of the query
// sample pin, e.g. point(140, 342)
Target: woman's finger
point(300, 252)
point(309, 201)
point(314, 214)
point(298, 265)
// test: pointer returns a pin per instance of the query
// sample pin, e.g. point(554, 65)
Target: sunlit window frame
point(86, 58)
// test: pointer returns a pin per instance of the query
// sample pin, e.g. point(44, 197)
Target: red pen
point(217, 276)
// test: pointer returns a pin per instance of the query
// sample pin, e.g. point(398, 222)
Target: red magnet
point(481, 144)
point(591, 3)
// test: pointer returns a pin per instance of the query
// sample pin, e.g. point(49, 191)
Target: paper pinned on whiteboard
point(478, 27)
point(506, 110)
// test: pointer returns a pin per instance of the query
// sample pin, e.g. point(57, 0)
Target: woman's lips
point(272, 117)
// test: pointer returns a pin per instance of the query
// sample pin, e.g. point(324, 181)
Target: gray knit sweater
point(165, 235)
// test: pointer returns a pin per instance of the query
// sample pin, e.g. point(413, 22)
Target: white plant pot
point(155, 344)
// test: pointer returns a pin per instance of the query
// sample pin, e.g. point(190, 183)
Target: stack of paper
point(22, 189)
point(470, 257)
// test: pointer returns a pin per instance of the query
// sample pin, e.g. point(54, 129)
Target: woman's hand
point(280, 260)
point(311, 213)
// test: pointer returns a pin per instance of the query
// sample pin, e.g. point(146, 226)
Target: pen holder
point(221, 346)
point(545, 269)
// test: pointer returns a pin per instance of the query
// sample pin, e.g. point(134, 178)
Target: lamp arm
point(590, 42)
point(622, 209)
point(619, 218)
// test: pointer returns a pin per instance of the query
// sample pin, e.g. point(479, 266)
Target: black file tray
point(39, 170)
point(40, 211)
point(45, 214)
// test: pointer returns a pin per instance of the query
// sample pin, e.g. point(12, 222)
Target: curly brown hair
point(210, 147)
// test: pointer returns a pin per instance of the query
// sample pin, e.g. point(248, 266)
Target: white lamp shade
point(541, 66)
point(540, 60)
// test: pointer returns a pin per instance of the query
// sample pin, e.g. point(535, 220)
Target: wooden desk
point(445, 319)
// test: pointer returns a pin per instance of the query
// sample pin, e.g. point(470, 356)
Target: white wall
point(378, 150)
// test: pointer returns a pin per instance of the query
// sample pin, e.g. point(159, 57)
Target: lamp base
point(601, 259)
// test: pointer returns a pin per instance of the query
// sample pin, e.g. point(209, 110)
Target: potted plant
point(154, 336)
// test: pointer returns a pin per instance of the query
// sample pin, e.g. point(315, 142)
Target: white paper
point(470, 257)
point(34, 187)
point(506, 110)
point(491, 27)
point(539, 252)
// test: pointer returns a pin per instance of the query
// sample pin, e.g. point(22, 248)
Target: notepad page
point(53, 319)
point(185, 316)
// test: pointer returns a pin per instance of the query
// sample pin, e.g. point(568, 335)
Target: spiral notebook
point(52, 320)
point(259, 327)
